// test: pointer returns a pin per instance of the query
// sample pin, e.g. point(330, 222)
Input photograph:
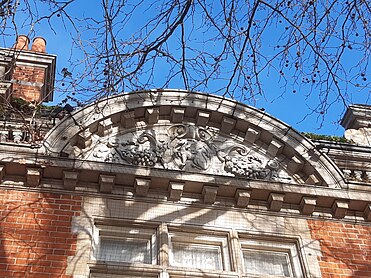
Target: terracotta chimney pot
point(39, 45)
point(22, 42)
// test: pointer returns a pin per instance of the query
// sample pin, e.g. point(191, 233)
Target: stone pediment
point(185, 147)
point(191, 133)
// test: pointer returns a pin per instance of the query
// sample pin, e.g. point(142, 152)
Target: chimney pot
point(39, 45)
point(22, 42)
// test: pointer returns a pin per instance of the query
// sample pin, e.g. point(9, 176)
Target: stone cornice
point(357, 116)
point(84, 177)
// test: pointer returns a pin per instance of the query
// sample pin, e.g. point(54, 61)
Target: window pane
point(197, 256)
point(266, 263)
point(129, 250)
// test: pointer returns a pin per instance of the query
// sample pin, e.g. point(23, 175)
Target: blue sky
point(291, 104)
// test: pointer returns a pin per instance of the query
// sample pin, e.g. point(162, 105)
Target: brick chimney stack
point(26, 73)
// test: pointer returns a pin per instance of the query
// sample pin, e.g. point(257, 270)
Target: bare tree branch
point(319, 49)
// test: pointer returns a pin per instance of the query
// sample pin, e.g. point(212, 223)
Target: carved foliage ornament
point(188, 148)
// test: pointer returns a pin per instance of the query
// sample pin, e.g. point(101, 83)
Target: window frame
point(276, 244)
point(129, 275)
point(163, 237)
point(198, 237)
point(126, 232)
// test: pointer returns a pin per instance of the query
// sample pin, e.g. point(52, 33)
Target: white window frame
point(200, 238)
point(132, 275)
point(126, 233)
point(163, 238)
point(275, 245)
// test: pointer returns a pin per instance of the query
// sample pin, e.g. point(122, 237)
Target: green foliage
point(332, 138)
point(21, 105)
point(28, 108)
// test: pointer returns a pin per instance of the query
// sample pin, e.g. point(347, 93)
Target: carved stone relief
point(188, 148)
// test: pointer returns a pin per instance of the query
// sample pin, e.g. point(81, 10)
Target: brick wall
point(32, 81)
point(35, 233)
point(36, 238)
point(346, 249)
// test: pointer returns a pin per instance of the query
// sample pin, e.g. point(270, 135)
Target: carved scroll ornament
point(188, 148)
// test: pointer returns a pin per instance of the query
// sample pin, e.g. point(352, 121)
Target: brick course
point(346, 249)
point(35, 233)
point(31, 75)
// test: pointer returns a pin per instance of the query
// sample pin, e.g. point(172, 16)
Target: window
point(271, 258)
point(137, 250)
point(134, 275)
point(197, 255)
point(266, 262)
point(125, 244)
point(193, 250)
point(125, 250)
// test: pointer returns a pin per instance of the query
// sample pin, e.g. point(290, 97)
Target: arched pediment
point(191, 132)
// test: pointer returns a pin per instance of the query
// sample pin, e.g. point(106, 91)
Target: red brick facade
point(36, 238)
point(32, 80)
point(35, 233)
point(346, 249)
